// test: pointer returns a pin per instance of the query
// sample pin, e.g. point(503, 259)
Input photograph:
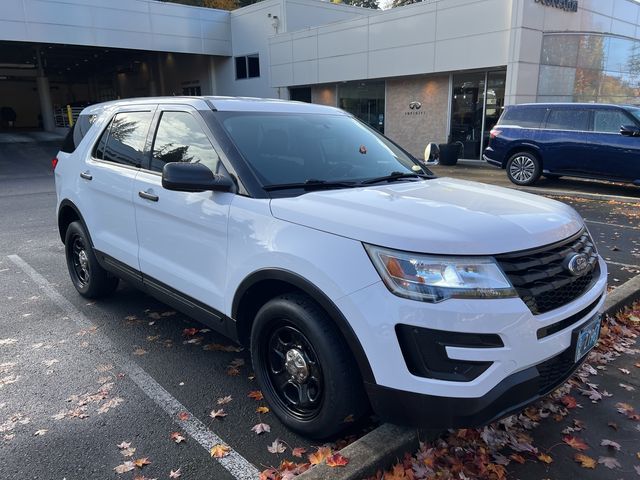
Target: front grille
point(541, 278)
point(554, 370)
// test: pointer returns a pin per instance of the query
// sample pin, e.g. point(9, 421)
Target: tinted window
point(123, 140)
point(284, 148)
point(81, 127)
point(609, 121)
point(179, 138)
point(254, 66)
point(568, 119)
point(525, 117)
point(68, 145)
point(241, 67)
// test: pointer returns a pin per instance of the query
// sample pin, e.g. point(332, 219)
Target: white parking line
point(622, 264)
point(235, 463)
point(612, 224)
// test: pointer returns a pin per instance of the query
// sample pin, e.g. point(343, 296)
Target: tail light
point(54, 162)
point(495, 133)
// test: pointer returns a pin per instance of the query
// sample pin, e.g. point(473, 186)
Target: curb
point(387, 443)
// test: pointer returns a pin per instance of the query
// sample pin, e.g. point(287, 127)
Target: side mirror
point(432, 154)
point(630, 131)
point(193, 177)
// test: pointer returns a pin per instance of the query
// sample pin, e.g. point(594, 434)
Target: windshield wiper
point(393, 176)
point(310, 184)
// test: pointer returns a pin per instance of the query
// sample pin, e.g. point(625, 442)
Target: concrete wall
point(136, 24)
point(413, 129)
point(431, 36)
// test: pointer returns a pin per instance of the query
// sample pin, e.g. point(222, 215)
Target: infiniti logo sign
point(415, 105)
point(577, 264)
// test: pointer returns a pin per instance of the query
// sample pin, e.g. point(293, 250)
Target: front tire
point(89, 278)
point(524, 168)
point(305, 368)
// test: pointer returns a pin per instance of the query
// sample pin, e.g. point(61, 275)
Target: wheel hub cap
point(82, 258)
point(296, 365)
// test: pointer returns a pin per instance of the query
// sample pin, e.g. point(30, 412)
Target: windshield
point(290, 148)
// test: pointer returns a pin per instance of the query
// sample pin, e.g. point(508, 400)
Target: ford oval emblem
point(577, 264)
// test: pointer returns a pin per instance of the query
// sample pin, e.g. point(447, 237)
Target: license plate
point(587, 337)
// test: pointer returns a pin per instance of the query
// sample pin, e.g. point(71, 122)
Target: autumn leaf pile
point(484, 454)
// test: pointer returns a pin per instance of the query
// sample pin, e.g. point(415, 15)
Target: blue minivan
point(567, 139)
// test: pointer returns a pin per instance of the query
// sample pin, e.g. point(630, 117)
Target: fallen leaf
point(184, 416)
point(628, 388)
point(224, 400)
point(217, 413)
point(189, 332)
point(39, 433)
point(128, 452)
point(584, 460)
point(277, 447)
point(175, 473)
point(219, 451)
point(624, 370)
point(349, 419)
point(260, 428)
point(575, 442)
point(613, 425)
point(337, 460)
point(610, 444)
point(256, 395)
point(141, 462)
point(124, 445)
point(140, 351)
point(543, 457)
point(609, 462)
point(517, 458)
point(262, 409)
point(298, 452)
point(569, 401)
point(319, 455)
point(125, 467)
point(177, 437)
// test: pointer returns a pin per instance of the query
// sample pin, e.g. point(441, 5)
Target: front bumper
point(530, 346)
point(510, 396)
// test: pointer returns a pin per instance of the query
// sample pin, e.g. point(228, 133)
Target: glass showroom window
point(589, 68)
point(247, 66)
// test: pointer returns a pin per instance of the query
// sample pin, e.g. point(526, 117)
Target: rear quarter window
point(525, 117)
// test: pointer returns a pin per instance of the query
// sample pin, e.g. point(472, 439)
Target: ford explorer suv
point(560, 139)
point(357, 280)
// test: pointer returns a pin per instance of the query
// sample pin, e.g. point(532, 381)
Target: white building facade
point(439, 70)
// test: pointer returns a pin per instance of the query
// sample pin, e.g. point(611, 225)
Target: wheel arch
point(523, 147)
point(68, 212)
point(262, 285)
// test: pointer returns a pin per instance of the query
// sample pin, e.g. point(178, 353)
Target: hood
point(439, 216)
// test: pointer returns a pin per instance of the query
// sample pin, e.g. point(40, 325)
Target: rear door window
point(609, 121)
point(123, 140)
point(525, 117)
point(568, 119)
point(180, 138)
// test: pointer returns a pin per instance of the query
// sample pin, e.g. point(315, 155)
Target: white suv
point(355, 277)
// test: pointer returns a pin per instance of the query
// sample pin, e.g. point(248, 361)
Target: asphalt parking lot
point(78, 378)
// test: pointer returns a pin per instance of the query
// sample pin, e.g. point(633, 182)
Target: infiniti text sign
point(566, 5)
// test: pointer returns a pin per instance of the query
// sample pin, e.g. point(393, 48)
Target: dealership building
point(439, 70)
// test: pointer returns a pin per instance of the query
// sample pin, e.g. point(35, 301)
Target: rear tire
point(89, 278)
point(305, 368)
point(524, 168)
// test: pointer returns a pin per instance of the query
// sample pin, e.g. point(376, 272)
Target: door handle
point(148, 196)
point(86, 175)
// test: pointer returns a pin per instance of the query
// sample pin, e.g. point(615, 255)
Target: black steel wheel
point(88, 277)
point(305, 368)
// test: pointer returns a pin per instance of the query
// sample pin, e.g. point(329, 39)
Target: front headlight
point(437, 278)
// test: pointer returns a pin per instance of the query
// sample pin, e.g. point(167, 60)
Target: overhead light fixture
point(17, 65)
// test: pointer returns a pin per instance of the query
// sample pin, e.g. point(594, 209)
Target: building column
point(44, 93)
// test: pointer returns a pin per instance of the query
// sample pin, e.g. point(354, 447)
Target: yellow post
point(70, 115)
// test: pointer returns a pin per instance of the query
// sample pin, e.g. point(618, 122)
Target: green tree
point(363, 3)
point(402, 3)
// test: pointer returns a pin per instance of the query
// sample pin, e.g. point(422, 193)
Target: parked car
point(567, 139)
point(354, 276)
